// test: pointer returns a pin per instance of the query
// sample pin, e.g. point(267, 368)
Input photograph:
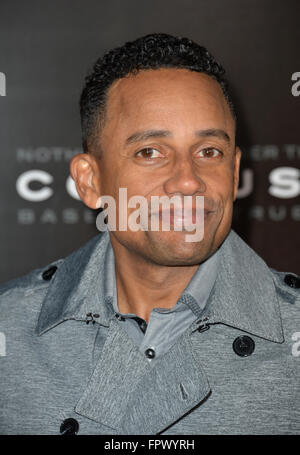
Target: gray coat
point(235, 373)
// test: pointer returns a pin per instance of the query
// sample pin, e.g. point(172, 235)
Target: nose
point(184, 180)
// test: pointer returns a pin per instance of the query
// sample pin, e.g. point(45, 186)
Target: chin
point(170, 248)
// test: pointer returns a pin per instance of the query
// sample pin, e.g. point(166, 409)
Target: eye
point(148, 153)
point(209, 152)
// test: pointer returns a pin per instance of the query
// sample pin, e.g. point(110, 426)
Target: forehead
point(167, 98)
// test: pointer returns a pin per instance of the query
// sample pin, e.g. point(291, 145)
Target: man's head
point(149, 52)
point(158, 120)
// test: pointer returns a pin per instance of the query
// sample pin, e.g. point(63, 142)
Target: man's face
point(189, 152)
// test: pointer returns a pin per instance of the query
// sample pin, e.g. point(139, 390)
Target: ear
point(236, 171)
point(85, 173)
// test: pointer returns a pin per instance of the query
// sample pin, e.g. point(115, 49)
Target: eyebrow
point(142, 135)
point(148, 134)
point(213, 132)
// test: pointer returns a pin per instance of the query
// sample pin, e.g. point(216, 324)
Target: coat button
point(150, 353)
point(292, 281)
point(47, 274)
point(69, 426)
point(243, 346)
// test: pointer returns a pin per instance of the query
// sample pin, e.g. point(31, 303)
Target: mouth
point(182, 218)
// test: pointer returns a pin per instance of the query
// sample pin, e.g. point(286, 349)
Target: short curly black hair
point(153, 51)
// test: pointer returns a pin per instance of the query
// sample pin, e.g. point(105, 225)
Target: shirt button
point(150, 353)
point(47, 274)
point(69, 426)
point(243, 346)
point(292, 281)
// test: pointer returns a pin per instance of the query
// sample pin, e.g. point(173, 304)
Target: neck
point(143, 285)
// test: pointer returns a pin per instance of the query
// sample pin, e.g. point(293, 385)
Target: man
point(141, 331)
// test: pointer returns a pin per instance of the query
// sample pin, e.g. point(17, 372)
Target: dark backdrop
point(46, 47)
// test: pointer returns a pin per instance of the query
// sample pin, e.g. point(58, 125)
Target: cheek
point(125, 185)
point(220, 185)
point(138, 183)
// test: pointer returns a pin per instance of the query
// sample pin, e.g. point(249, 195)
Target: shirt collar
point(243, 293)
point(199, 288)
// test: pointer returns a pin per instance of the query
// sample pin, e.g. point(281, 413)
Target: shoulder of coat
point(34, 280)
point(288, 286)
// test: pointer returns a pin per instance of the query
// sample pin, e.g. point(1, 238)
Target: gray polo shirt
point(165, 325)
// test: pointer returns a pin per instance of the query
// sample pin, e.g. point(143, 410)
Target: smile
point(176, 213)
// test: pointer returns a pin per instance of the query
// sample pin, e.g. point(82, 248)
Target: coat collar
point(77, 288)
point(244, 295)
